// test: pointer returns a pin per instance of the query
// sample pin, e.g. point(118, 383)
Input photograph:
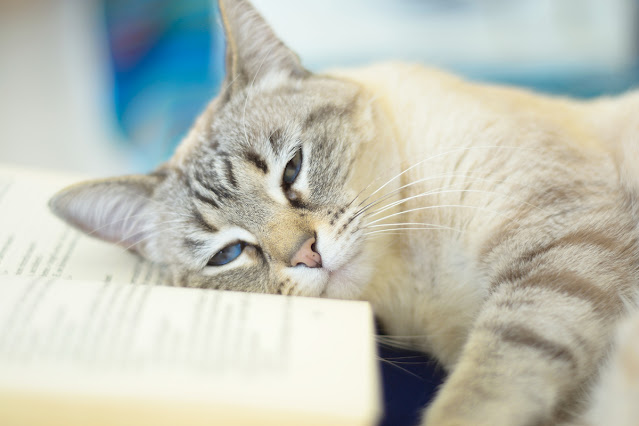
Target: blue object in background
point(168, 55)
point(167, 64)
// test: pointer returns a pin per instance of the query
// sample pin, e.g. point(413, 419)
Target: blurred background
point(110, 86)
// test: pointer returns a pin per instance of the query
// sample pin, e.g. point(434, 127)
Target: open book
point(89, 337)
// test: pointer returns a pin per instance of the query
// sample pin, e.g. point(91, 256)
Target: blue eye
point(227, 254)
point(293, 168)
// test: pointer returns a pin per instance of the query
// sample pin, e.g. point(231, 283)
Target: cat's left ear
point(252, 48)
point(118, 210)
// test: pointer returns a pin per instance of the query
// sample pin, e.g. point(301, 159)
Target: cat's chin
point(347, 281)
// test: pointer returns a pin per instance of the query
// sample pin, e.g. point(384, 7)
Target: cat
point(495, 228)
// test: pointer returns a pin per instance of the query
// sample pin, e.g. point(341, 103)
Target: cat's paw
point(616, 394)
point(444, 415)
point(629, 351)
point(447, 420)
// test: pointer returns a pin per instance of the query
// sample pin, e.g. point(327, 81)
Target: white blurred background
point(109, 86)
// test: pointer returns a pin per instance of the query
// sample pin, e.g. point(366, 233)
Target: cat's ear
point(117, 210)
point(252, 48)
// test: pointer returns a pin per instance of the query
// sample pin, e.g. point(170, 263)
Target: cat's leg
point(533, 350)
point(615, 400)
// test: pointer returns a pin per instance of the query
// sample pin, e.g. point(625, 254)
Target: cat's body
point(529, 186)
point(505, 161)
point(502, 239)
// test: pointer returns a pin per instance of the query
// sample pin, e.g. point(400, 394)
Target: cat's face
point(262, 194)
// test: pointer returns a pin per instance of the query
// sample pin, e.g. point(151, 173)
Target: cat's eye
point(293, 168)
point(227, 254)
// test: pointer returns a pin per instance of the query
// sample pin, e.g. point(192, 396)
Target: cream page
point(34, 243)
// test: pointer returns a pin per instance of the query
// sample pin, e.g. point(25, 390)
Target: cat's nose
point(306, 255)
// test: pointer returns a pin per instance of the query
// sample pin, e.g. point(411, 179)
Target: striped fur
point(502, 239)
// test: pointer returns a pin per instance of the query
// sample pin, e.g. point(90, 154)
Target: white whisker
point(394, 364)
point(394, 230)
point(443, 206)
point(448, 191)
point(440, 176)
point(440, 155)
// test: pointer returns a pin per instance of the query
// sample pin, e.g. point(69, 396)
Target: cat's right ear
point(252, 48)
point(117, 210)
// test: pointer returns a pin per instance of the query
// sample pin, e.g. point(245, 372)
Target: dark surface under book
point(410, 380)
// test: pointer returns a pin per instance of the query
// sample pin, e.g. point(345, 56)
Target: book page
point(186, 346)
point(34, 243)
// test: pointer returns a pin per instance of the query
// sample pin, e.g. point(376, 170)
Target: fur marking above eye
point(257, 161)
point(292, 169)
point(229, 172)
point(194, 192)
point(205, 199)
point(199, 219)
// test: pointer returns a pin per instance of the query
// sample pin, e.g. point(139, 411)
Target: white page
point(33, 242)
point(179, 344)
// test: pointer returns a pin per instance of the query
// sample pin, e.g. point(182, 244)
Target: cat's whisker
point(370, 237)
point(467, 177)
point(388, 195)
point(396, 344)
point(408, 363)
point(444, 206)
point(440, 191)
point(395, 230)
point(366, 187)
point(377, 179)
point(467, 148)
point(395, 358)
point(357, 196)
point(394, 364)
point(408, 226)
point(401, 224)
point(394, 192)
point(362, 191)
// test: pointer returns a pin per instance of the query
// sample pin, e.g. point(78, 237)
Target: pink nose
point(307, 255)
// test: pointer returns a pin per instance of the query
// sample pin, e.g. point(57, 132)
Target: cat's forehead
point(279, 113)
point(268, 119)
point(238, 149)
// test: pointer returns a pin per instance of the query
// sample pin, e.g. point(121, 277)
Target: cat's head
point(262, 193)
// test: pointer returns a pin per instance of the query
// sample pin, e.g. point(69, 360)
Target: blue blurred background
point(110, 86)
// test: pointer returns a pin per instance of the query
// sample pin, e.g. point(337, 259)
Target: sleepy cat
point(497, 227)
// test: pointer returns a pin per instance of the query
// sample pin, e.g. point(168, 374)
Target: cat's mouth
point(346, 276)
point(344, 282)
